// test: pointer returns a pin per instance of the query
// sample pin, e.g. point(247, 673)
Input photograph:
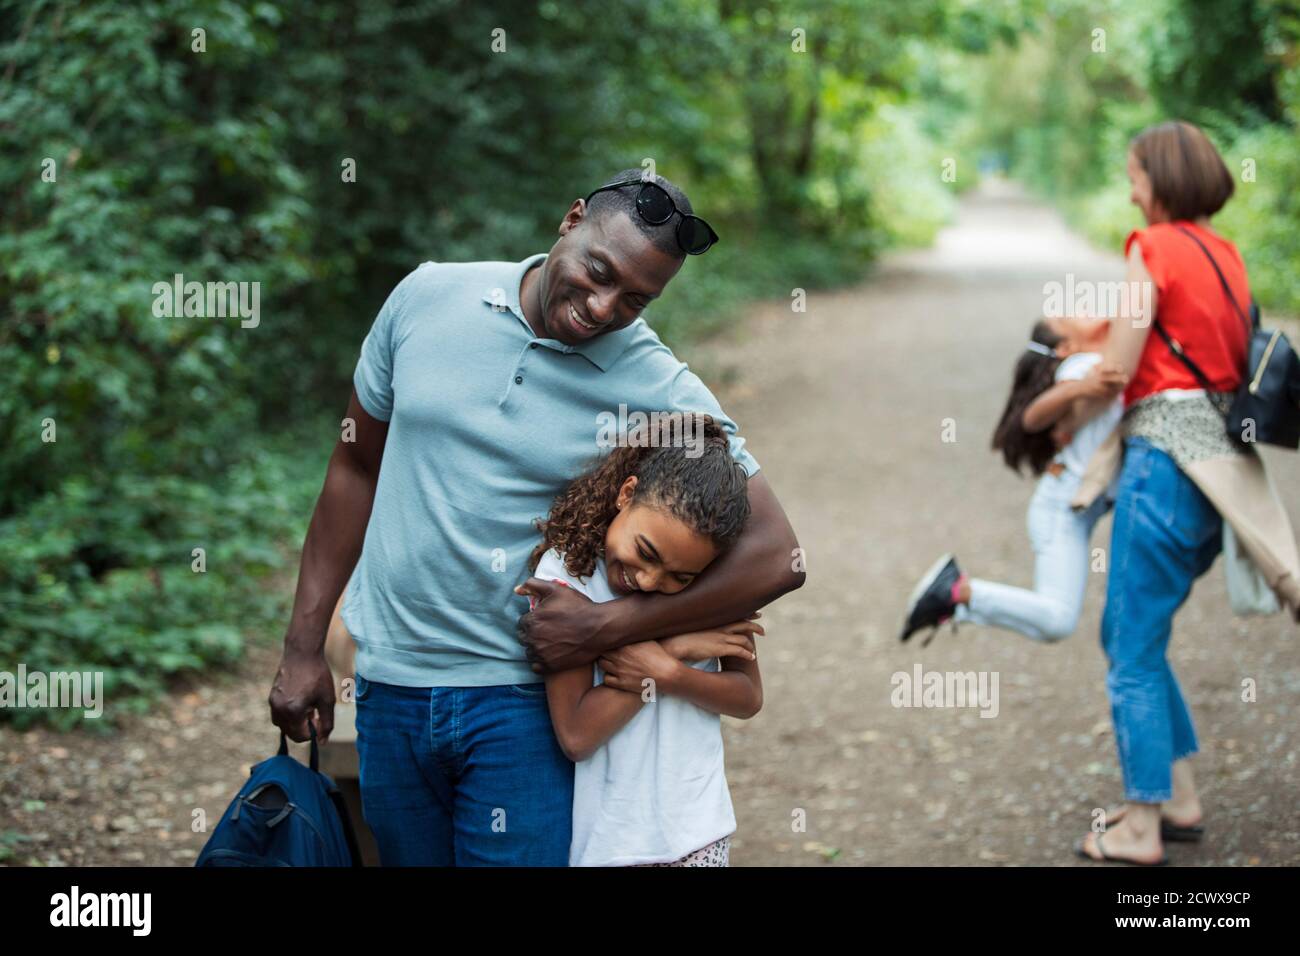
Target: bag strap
point(1177, 349)
point(1222, 281)
point(335, 798)
point(315, 753)
point(1175, 346)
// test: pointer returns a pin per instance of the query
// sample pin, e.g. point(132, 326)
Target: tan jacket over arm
point(1242, 492)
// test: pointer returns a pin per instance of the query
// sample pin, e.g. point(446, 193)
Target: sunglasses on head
point(656, 207)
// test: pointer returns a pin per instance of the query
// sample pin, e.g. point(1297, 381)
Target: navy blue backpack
point(285, 815)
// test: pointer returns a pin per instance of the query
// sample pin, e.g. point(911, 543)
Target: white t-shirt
point(1088, 438)
point(657, 789)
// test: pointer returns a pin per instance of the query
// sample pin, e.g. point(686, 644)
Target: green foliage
point(1063, 112)
point(704, 300)
point(101, 576)
point(1262, 215)
point(1210, 60)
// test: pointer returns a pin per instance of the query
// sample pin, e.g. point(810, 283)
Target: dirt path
point(844, 406)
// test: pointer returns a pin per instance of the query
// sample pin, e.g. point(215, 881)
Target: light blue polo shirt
point(486, 425)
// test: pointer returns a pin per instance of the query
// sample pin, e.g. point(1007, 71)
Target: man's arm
point(334, 538)
point(567, 630)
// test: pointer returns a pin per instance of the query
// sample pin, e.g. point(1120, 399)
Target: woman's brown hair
point(707, 490)
point(1188, 177)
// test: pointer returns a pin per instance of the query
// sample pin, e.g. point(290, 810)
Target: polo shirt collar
point(601, 351)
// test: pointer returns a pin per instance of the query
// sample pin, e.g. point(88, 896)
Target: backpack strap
point(1222, 281)
point(335, 796)
point(1177, 349)
point(315, 752)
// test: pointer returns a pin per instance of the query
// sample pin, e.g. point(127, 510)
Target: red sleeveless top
point(1193, 308)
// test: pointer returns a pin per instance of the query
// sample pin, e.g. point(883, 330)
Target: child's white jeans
point(1059, 537)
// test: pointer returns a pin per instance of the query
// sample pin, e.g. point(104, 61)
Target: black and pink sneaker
point(933, 601)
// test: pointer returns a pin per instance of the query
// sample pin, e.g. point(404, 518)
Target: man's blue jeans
point(463, 776)
point(1166, 535)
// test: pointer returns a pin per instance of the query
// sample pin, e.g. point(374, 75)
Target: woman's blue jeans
point(1166, 534)
point(463, 776)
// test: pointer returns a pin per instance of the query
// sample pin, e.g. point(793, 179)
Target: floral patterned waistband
point(1187, 426)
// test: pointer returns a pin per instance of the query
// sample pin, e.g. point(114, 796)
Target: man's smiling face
point(599, 276)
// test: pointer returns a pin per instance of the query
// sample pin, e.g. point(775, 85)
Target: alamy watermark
point(130, 910)
point(1084, 297)
point(59, 689)
point(946, 689)
point(211, 300)
point(651, 430)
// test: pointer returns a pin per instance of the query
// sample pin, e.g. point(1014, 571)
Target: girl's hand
point(733, 640)
point(627, 667)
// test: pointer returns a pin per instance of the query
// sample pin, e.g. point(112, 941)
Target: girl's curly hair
point(706, 491)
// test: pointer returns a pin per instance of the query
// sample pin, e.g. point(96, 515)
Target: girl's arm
point(736, 690)
point(1071, 403)
point(585, 716)
point(1052, 405)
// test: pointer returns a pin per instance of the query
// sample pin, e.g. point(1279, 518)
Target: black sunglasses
point(656, 207)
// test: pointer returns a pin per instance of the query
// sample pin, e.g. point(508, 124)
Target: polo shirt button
point(532, 345)
point(519, 380)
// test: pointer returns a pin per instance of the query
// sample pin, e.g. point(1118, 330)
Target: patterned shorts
point(716, 853)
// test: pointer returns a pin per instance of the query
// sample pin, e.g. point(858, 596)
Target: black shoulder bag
point(1268, 401)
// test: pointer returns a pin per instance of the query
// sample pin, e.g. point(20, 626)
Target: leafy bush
point(1065, 112)
point(100, 576)
point(1262, 216)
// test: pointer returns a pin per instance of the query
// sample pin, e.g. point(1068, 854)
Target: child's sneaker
point(934, 599)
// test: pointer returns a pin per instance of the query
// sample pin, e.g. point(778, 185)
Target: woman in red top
point(1193, 308)
point(1166, 532)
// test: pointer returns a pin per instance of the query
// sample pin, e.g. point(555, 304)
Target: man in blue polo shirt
point(480, 391)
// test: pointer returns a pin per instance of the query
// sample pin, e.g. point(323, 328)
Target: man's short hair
point(664, 236)
point(1187, 173)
